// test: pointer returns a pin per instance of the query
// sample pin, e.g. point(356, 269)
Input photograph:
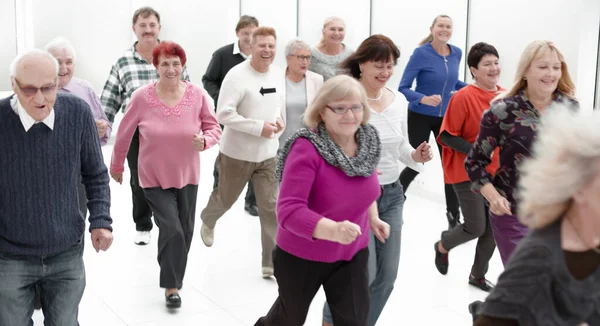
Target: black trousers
point(476, 226)
point(419, 128)
point(142, 214)
point(174, 212)
point(345, 283)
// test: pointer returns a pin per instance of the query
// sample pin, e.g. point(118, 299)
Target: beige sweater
point(247, 99)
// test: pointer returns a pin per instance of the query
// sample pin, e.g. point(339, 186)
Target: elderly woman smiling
point(553, 277)
point(327, 203)
point(301, 86)
point(176, 120)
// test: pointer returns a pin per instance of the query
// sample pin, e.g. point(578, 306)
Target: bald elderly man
point(49, 142)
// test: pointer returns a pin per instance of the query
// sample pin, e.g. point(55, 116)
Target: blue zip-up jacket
point(435, 74)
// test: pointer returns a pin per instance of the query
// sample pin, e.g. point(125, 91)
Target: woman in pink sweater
point(327, 203)
point(176, 121)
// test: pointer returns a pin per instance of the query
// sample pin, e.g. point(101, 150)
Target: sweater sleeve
point(406, 158)
point(488, 139)
point(210, 127)
point(99, 114)
point(229, 99)
point(94, 174)
point(210, 80)
point(127, 128)
point(411, 72)
point(299, 174)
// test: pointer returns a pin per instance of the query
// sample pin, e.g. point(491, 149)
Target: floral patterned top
point(510, 124)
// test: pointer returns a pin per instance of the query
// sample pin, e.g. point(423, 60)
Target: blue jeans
point(384, 258)
point(61, 278)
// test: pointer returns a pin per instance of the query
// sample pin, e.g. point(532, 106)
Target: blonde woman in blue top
point(434, 64)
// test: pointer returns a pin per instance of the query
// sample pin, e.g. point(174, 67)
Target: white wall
point(8, 40)
point(99, 30)
point(510, 31)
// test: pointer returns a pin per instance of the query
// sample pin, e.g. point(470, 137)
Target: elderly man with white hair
point(301, 86)
point(62, 50)
point(50, 143)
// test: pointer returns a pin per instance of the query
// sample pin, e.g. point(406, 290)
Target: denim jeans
point(384, 258)
point(61, 278)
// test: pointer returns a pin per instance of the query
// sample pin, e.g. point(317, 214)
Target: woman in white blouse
point(373, 65)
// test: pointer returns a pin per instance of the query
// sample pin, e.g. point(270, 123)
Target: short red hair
point(168, 49)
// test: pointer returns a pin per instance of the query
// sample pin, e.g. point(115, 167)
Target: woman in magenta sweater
point(327, 203)
point(176, 120)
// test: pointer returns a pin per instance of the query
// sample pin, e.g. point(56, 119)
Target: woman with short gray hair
point(331, 50)
point(301, 86)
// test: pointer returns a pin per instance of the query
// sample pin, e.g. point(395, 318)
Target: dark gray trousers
point(476, 225)
point(174, 213)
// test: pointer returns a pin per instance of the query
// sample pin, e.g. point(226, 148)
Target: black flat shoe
point(481, 283)
point(252, 209)
point(173, 301)
point(441, 260)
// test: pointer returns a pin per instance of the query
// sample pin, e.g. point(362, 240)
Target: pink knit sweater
point(167, 157)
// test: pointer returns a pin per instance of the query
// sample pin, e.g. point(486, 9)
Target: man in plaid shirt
point(131, 71)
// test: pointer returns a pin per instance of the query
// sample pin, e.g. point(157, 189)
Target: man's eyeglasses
point(302, 57)
point(31, 91)
point(341, 110)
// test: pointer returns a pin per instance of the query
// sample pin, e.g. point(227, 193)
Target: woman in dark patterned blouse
point(511, 124)
point(553, 278)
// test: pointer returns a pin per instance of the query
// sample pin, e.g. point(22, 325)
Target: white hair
point(32, 53)
point(295, 45)
point(566, 157)
point(60, 43)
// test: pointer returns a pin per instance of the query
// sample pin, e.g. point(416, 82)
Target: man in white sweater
point(251, 108)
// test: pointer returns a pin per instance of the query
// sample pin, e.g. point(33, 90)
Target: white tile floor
point(223, 284)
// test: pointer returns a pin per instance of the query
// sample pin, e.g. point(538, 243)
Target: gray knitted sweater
point(327, 65)
point(537, 289)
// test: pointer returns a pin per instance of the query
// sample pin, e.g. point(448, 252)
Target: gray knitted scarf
point(363, 164)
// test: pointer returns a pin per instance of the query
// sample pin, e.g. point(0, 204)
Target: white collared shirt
point(236, 49)
point(26, 119)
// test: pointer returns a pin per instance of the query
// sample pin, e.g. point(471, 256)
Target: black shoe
point(173, 301)
point(441, 260)
point(453, 220)
point(37, 303)
point(252, 209)
point(474, 309)
point(481, 283)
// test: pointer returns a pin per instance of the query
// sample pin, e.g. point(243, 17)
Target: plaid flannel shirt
point(129, 73)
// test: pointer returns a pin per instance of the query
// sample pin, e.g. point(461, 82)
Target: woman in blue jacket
point(435, 66)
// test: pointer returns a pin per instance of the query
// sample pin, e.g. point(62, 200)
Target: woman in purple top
point(327, 203)
point(511, 123)
point(67, 83)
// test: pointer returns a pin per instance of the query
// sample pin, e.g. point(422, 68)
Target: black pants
point(476, 226)
point(142, 214)
point(419, 128)
point(345, 283)
point(250, 195)
point(174, 212)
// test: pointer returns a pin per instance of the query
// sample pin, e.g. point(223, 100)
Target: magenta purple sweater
point(312, 189)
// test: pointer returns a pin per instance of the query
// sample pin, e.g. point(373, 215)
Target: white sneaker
point(142, 238)
point(267, 272)
point(208, 235)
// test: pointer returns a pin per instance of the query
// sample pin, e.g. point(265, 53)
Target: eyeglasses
point(301, 57)
point(341, 110)
point(31, 91)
